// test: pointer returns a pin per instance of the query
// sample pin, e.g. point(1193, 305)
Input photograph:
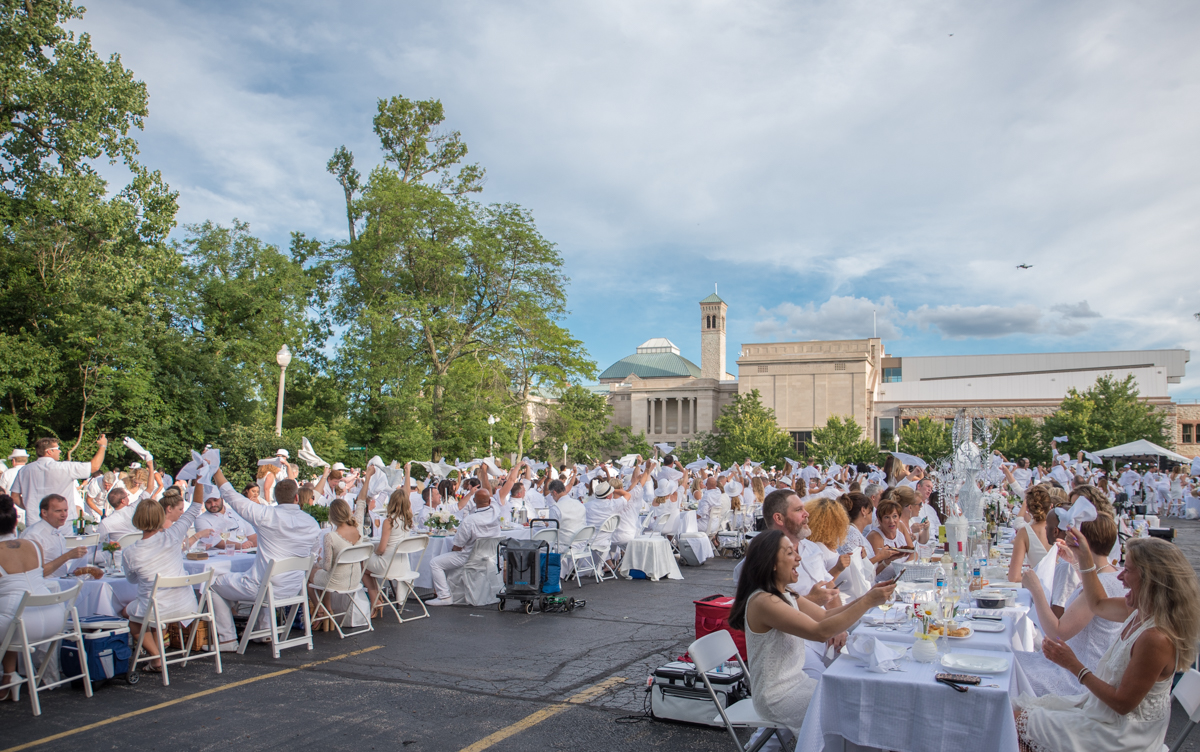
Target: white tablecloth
point(108, 596)
point(653, 556)
point(908, 711)
point(439, 545)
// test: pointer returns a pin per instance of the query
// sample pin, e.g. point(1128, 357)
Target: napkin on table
point(879, 657)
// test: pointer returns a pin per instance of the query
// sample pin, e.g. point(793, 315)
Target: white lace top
point(779, 687)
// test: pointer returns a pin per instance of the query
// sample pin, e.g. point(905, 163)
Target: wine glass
point(225, 540)
point(885, 607)
point(241, 538)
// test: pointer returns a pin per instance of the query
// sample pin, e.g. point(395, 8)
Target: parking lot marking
point(534, 719)
point(169, 703)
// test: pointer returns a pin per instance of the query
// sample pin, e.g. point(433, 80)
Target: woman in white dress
point(889, 535)
point(397, 522)
point(1029, 544)
point(158, 552)
point(827, 523)
point(1126, 702)
point(21, 572)
point(1088, 635)
point(858, 510)
point(777, 624)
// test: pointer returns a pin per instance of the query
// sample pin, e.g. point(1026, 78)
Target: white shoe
point(440, 602)
point(229, 647)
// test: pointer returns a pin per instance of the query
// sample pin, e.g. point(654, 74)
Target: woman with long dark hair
point(777, 624)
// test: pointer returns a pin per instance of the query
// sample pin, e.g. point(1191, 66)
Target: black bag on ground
point(678, 693)
point(522, 568)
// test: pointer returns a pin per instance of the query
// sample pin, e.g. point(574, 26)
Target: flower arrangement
point(441, 520)
point(111, 546)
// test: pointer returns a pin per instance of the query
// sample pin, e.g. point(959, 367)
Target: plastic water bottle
point(940, 579)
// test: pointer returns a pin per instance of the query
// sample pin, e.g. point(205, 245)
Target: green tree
point(842, 441)
point(1019, 438)
point(926, 438)
point(583, 421)
point(746, 428)
point(1107, 414)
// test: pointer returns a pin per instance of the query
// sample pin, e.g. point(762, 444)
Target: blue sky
point(818, 160)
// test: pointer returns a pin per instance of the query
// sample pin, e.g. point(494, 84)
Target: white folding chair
point(1187, 692)
point(402, 575)
point(548, 534)
point(86, 541)
point(580, 550)
point(478, 582)
point(294, 604)
point(156, 617)
point(17, 639)
point(345, 559)
point(127, 540)
point(607, 528)
point(711, 651)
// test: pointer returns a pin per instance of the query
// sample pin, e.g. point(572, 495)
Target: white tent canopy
point(1141, 448)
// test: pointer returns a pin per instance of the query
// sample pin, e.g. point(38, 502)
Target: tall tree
point(841, 440)
point(746, 428)
point(1107, 414)
point(1018, 439)
point(926, 438)
point(582, 420)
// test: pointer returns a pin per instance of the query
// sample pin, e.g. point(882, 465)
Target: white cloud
point(836, 318)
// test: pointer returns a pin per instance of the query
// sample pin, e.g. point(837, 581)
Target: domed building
point(658, 391)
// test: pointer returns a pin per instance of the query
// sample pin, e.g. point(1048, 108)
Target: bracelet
point(1083, 672)
point(1089, 569)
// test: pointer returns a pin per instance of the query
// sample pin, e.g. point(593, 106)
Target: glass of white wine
point(225, 540)
point(241, 539)
point(885, 607)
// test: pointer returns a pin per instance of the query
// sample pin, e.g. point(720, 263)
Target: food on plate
point(960, 632)
point(95, 572)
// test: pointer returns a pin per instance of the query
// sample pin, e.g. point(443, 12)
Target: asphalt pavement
point(464, 679)
point(442, 683)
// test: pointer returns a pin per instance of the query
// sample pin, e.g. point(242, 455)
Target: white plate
point(987, 626)
point(975, 664)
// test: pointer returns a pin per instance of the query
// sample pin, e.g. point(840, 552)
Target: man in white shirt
point(96, 494)
point(569, 512)
point(47, 532)
point(220, 519)
point(46, 475)
point(284, 531)
point(710, 505)
point(810, 473)
point(483, 523)
point(120, 522)
point(926, 513)
point(17, 459)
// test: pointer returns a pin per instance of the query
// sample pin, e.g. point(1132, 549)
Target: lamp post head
point(283, 357)
point(491, 420)
point(564, 447)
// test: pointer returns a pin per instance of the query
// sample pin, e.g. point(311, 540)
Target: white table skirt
point(110, 595)
point(439, 545)
point(908, 711)
point(653, 556)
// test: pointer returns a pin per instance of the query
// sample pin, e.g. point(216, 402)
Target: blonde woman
point(157, 553)
point(172, 506)
point(910, 506)
point(396, 525)
point(1125, 699)
point(343, 534)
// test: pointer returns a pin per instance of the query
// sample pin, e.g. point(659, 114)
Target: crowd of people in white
point(1120, 619)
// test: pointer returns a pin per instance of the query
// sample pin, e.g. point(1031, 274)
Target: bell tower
point(712, 337)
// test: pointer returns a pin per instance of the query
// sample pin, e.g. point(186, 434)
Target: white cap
point(135, 466)
point(282, 453)
point(18, 453)
point(337, 466)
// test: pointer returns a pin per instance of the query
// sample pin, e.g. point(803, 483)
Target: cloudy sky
point(820, 161)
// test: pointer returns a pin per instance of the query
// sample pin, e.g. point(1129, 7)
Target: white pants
point(228, 589)
point(440, 565)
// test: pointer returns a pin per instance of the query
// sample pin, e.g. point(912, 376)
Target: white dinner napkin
point(664, 448)
point(136, 448)
point(879, 657)
point(307, 454)
point(1080, 512)
point(1045, 571)
point(1060, 439)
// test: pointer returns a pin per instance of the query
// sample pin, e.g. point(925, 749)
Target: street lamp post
point(896, 439)
point(283, 358)
point(491, 422)
point(564, 454)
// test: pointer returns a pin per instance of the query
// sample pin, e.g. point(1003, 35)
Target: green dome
point(652, 365)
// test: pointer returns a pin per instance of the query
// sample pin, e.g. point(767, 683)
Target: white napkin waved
point(137, 449)
point(1080, 512)
point(310, 457)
